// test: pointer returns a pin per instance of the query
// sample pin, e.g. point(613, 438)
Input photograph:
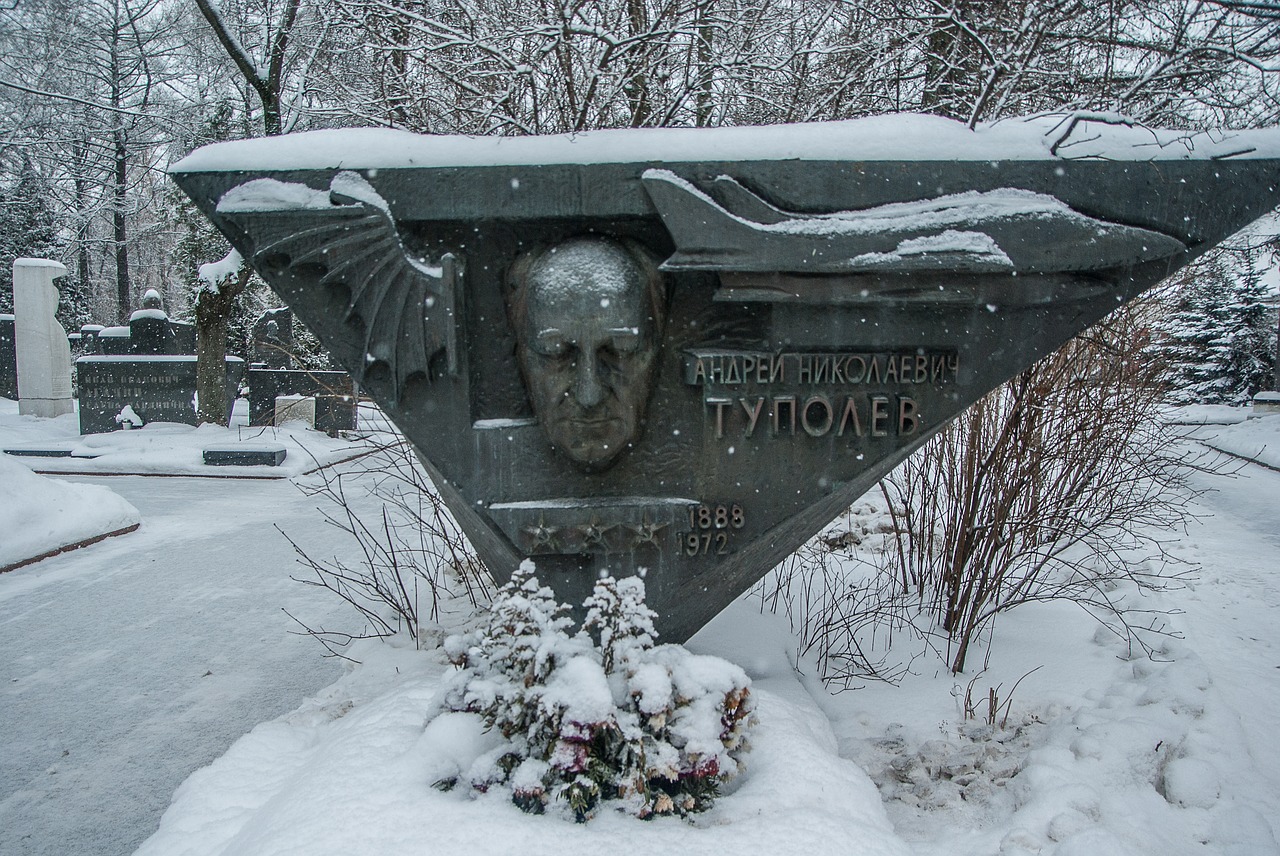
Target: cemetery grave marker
point(8, 359)
point(43, 353)
point(685, 351)
point(334, 392)
point(158, 389)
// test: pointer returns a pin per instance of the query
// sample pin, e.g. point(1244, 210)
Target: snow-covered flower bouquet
point(584, 719)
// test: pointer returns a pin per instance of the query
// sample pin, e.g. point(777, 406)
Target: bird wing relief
point(345, 236)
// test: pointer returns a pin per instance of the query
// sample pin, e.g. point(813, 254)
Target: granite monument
point(685, 351)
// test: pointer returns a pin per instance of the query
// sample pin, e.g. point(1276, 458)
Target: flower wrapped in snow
point(655, 727)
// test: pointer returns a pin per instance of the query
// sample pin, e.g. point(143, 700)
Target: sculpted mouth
point(601, 421)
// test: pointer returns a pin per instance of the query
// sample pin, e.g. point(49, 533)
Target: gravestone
point(273, 339)
point(185, 335)
point(115, 341)
point(150, 332)
point(8, 359)
point(685, 351)
point(42, 350)
point(89, 339)
point(155, 389)
point(334, 393)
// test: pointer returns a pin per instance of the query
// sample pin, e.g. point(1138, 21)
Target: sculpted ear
point(515, 289)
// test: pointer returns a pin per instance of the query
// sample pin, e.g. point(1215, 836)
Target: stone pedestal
point(43, 352)
point(150, 333)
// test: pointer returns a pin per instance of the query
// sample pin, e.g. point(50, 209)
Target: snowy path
point(111, 646)
point(1231, 617)
point(132, 663)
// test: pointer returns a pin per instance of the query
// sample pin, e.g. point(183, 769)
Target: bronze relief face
point(587, 315)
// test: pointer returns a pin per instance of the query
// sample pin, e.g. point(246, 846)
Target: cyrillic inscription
point(724, 368)
point(807, 394)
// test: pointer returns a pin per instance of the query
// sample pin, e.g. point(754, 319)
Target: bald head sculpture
point(588, 315)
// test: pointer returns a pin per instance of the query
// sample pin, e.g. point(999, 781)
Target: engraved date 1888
point(709, 529)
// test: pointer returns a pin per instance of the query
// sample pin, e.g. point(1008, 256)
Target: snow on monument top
point(881, 138)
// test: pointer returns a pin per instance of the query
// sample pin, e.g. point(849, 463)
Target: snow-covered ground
point(1254, 440)
point(167, 448)
point(40, 516)
point(1101, 752)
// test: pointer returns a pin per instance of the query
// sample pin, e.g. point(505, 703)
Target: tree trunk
point(120, 190)
point(121, 230)
point(703, 100)
point(213, 314)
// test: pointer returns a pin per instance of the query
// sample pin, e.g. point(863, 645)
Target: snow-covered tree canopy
point(97, 95)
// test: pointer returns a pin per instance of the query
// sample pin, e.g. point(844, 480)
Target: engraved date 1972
point(709, 529)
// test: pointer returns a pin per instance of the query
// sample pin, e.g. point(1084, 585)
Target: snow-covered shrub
point(653, 726)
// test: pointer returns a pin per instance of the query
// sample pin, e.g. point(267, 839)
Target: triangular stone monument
point(686, 351)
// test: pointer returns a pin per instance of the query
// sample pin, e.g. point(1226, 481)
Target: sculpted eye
point(551, 343)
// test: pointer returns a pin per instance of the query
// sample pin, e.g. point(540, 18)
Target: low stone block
point(39, 452)
point(245, 455)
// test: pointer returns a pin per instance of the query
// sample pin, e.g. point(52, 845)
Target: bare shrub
point(842, 607)
point(1059, 485)
point(414, 557)
point(1056, 485)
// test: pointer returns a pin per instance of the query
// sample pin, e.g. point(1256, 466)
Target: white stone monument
point(296, 408)
point(44, 354)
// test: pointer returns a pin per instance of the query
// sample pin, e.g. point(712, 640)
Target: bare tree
point(90, 80)
point(414, 557)
point(264, 74)
point(522, 66)
point(265, 65)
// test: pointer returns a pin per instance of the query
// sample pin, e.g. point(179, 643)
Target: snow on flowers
point(601, 715)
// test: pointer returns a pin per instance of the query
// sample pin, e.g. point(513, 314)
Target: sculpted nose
point(587, 389)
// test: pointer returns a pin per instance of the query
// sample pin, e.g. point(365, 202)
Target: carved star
point(593, 533)
point(646, 532)
point(542, 535)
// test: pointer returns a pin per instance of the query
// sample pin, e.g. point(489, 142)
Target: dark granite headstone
point(89, 339)
point(185, 334)
point(154, 389)
point(685, 351)
point(115, 342)
point(273, 339)
point(150, 333)
point(334, 393)
point(8, 359)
